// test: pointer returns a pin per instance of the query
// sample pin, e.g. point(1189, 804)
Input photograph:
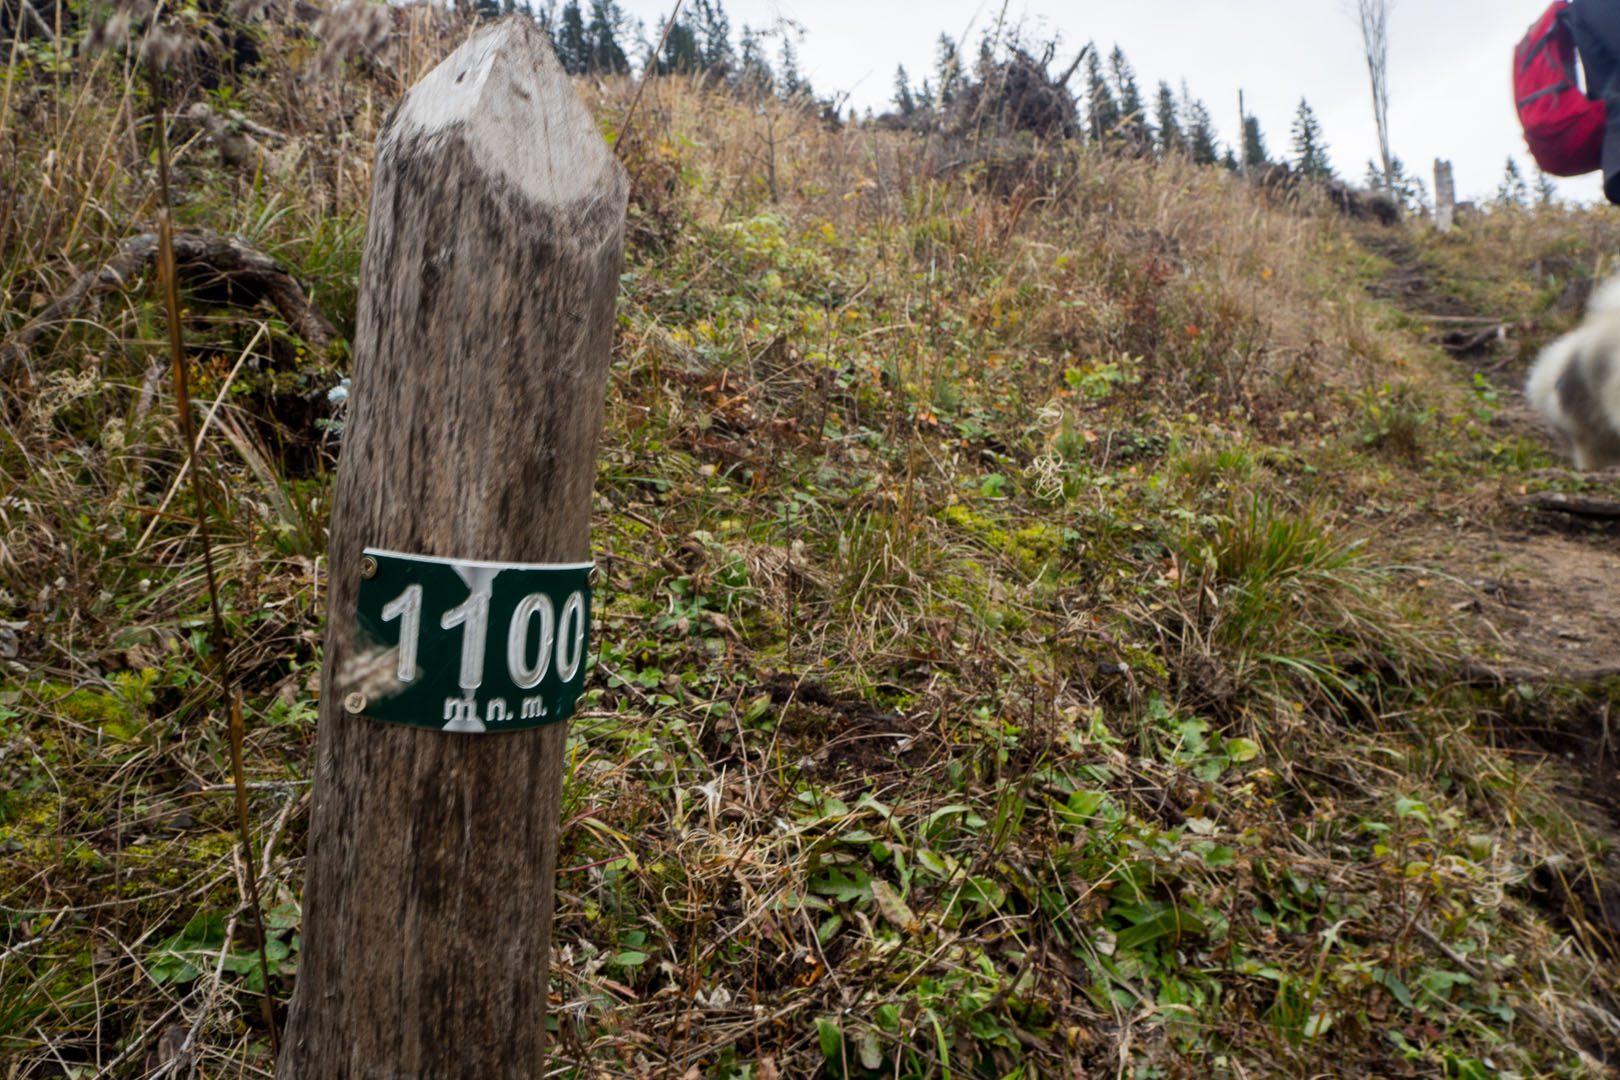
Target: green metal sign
point(460, 645)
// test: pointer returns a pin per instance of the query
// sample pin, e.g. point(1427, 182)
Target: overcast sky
point(1450, 89)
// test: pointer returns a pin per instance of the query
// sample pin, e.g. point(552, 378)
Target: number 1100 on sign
point(472, 615)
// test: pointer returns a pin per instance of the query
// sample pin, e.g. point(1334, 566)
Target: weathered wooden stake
point(486, 316)
point(1445, 196)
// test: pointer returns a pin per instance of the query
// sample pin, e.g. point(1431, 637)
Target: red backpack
point(1563, 127)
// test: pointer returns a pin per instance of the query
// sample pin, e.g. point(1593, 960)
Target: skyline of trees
point(599, 37)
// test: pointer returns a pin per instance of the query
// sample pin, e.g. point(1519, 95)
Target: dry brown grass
point(986, 680)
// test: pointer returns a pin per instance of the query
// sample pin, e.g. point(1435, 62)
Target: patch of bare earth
point(1534, 596)
point(1536, 604)
point(1540, 613)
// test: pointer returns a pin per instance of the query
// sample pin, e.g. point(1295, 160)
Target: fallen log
point(204, 260)
point(1588, 506)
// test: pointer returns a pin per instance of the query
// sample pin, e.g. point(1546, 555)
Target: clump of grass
point(1395, 420)
point(1294, 608)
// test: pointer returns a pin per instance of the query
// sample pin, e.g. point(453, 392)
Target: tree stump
point(486, 317)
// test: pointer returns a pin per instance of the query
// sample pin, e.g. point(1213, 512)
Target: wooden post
point(1445, 196)
point(486, 317)
point(1243, 138)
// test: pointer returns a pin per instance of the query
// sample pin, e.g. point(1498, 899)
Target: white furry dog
point(1575, 382)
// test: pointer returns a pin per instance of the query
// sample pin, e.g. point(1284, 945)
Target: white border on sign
point(482, 563)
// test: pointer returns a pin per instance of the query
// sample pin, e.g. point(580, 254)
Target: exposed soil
point(1536, 599)
point(1542, 601)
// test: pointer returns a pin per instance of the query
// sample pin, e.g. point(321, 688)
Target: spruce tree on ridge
point(1310, 148)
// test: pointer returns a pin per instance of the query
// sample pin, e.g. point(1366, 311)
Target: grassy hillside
point(1061, 615)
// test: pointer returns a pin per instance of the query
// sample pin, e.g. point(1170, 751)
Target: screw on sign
point(459, 607)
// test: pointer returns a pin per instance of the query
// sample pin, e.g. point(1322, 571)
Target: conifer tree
point(1102, 113)
point(1546, 192)
point(1199, 131)
point(1407, 190)
point(1164, 115)
point(1128, 94)
point(789, 81)
point(904, 100)
point(1310, 149)
point(947, 68)
point(713, 31)
point(1200, 135)
point(1512, 191)
point(602, 35)
point(682, 54)
point(756, 76)
point(573, 50)
point(1254, 144)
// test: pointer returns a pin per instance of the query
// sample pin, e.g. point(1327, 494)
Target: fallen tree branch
point(251, 127)
point(1463, 320)
point(1589, 506)
point(204, 260)
point(29, 12)
point(1462, 343)
point(1485, 677)
point(239, 140)
point(236, 149)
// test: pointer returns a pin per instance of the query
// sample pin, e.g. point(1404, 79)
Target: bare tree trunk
point(1375, 38)
point(485, 322)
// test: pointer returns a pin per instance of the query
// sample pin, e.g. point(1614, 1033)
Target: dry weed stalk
point(221, 640)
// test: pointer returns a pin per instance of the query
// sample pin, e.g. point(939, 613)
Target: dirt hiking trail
point(1534, 592)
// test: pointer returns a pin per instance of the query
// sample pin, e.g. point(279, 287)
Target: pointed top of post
point(505, 95)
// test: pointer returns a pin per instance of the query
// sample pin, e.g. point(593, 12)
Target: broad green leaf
point(826, 806)
point(1397, 989)
point(1086, 803)
point(832, 1040)
point(1171, 922)
point(982, 890)
point(1240, 750)
point(933, 862)
point(847, 887)
point(1408, 807)
point(945, 812)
